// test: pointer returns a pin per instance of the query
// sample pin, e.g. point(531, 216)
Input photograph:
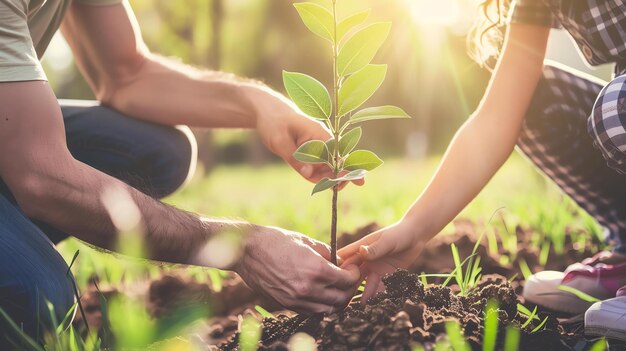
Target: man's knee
point(177, 153)
point(153, 158)
point(607, 123)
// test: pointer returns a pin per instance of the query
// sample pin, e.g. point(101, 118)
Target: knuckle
point(320, 269)
point(322, 309)
point(303, 289)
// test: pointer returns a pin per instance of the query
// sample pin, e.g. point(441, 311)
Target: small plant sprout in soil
point(355, 80)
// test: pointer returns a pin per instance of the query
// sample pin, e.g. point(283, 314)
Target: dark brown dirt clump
point(407, 314)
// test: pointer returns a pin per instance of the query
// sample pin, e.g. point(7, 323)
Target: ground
point(523, 200)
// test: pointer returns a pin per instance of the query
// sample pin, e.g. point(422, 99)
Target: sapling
point(355, 80)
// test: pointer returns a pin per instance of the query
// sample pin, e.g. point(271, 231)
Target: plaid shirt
point(597, 26)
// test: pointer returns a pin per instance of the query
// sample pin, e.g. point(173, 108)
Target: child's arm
point(478, 150)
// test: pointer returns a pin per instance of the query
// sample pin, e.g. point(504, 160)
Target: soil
point(407, 313)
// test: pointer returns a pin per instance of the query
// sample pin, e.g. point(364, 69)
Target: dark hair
point(485, 37)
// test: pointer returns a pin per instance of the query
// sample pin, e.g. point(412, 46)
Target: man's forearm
point(75, 202)
point(168, 92)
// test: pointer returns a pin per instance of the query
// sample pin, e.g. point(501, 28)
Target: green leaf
point(348, 141)
point(308, 94)
point(362, 159)
point(360, 49)
point(330, 145)
point(359, 87)
point(350, 22)
point(380, 112)
point(313, 151)
point(354, 175)
point(324, 184)
point(318, 19)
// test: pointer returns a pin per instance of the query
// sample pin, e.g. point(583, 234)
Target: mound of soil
point(407, 314)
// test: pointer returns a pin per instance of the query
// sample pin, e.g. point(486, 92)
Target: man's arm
point(122, 72)
point(51, 186)
point(111, 54)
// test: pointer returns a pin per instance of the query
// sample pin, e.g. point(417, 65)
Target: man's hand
point(295, 271)
point(383, 252)
point(283, 128)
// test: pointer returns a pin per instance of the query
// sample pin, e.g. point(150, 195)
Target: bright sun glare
point(434, 12)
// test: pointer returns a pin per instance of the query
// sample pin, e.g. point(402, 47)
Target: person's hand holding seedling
point(294, 270)
point(355, 80)
point(383, 252)
point(282, 127)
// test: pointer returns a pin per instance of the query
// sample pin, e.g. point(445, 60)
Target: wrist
point(247, 244)
point(225, 244)
point(418, 226)
point(266, 102)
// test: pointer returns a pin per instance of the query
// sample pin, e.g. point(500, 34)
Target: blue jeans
point(152, 158)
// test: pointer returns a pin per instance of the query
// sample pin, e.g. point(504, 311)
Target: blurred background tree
point(430, 75)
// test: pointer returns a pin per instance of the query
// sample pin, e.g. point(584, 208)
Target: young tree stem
point(333, 233)
point(333, 225)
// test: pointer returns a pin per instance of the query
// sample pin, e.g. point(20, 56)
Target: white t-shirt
point(26, 28)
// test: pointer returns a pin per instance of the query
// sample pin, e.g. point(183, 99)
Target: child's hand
point(382, 252)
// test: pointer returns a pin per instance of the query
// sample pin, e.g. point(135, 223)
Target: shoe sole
point(606, 332)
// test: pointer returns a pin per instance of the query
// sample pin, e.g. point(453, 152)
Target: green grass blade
point(458, 268)
point(599, 345)
point(538, 328)
point(456, 337)
point(250, 334)
point(523, 266)
point(581, 295)
point(22, 338)
point(511, 340)
point(531, 316)
point(263, 312)
point(491, 326)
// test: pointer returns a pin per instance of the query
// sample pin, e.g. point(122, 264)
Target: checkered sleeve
point(534, 12)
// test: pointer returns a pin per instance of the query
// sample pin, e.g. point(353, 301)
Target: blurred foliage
point(430, 74)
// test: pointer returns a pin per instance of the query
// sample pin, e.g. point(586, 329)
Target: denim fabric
point(31, 273)
point(154, 159)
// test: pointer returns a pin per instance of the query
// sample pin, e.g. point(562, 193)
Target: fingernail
point(364, 250)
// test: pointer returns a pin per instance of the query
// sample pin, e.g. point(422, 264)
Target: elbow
point(34, 195)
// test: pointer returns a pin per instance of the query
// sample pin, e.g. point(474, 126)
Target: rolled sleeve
point(18, 59)
point(533, 12)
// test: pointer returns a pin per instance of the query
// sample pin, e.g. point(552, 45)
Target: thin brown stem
point(333, 226)
point(333, 233)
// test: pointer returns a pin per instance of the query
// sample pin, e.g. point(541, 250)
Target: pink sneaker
point(601, 282)
point(608, 318)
